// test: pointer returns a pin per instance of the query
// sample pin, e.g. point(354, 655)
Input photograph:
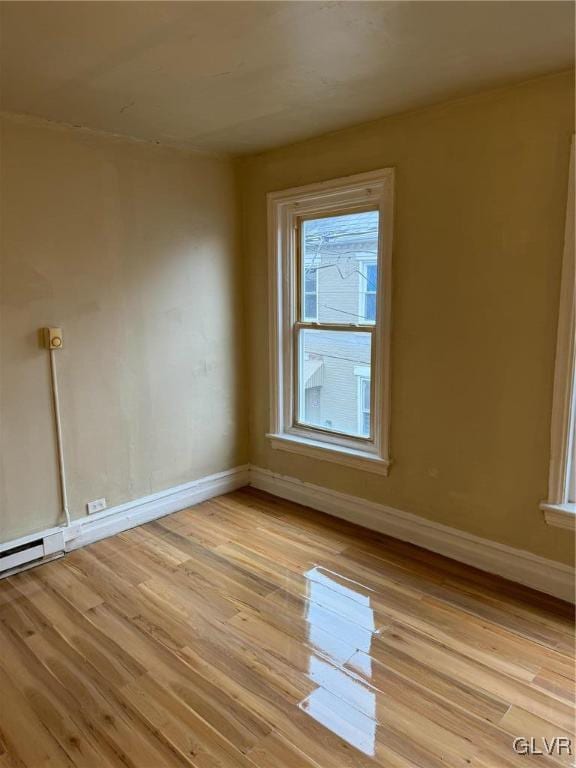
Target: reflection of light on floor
point(346, 722)
point(341, 703)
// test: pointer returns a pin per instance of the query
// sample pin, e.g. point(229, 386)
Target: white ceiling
point(239, 77)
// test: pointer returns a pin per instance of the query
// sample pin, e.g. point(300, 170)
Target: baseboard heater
point(31, 552)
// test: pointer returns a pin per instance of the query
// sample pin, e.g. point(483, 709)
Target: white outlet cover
point(96, 506)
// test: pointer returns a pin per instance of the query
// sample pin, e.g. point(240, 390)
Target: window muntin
point(338, 259)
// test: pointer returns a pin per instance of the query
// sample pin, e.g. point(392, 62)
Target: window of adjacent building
point(311, 293)
point(368, 281)
point(331, 307)
point(364, 407)
point(570, 490)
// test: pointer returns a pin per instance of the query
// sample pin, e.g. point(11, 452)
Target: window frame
point(558, 509)
point(286, 210)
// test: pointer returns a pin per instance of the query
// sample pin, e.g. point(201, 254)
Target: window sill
point(560, 515)
point(337, 454)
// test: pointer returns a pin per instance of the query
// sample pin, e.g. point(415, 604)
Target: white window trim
point(284, 207)
point(557, 508)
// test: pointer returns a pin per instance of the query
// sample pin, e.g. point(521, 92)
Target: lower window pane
point(332, 366)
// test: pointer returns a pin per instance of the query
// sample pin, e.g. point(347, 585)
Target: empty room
point(287, 384)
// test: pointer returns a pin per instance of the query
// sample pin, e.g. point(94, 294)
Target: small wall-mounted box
point(53, 338)
point(96, 506)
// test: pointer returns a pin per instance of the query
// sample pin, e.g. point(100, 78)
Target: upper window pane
point(339, 255)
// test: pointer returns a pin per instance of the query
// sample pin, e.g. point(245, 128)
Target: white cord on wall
point(57, 420)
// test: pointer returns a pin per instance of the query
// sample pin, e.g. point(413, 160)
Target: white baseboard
point(515, 564)
point(124, 516)
point(147, 508)
point(518, 565)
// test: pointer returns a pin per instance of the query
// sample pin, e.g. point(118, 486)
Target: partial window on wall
point(572, 470)
point(560, 506)
point(330, 315)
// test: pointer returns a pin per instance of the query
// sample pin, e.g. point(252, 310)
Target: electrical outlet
point(96, 506)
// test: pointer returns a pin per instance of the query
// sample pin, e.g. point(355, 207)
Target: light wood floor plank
point(250, 631)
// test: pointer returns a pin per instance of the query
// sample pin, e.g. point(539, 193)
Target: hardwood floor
point(249, 631)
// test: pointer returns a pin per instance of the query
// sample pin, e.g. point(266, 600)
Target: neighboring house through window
point(330, 319)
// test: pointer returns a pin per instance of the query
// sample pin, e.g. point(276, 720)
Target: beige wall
point(480, 205)
point(133, 250)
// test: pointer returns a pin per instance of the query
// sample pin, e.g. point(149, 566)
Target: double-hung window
point(330, 260)
point(560, 506)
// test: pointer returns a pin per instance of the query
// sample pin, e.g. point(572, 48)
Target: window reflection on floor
point(342, 703)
